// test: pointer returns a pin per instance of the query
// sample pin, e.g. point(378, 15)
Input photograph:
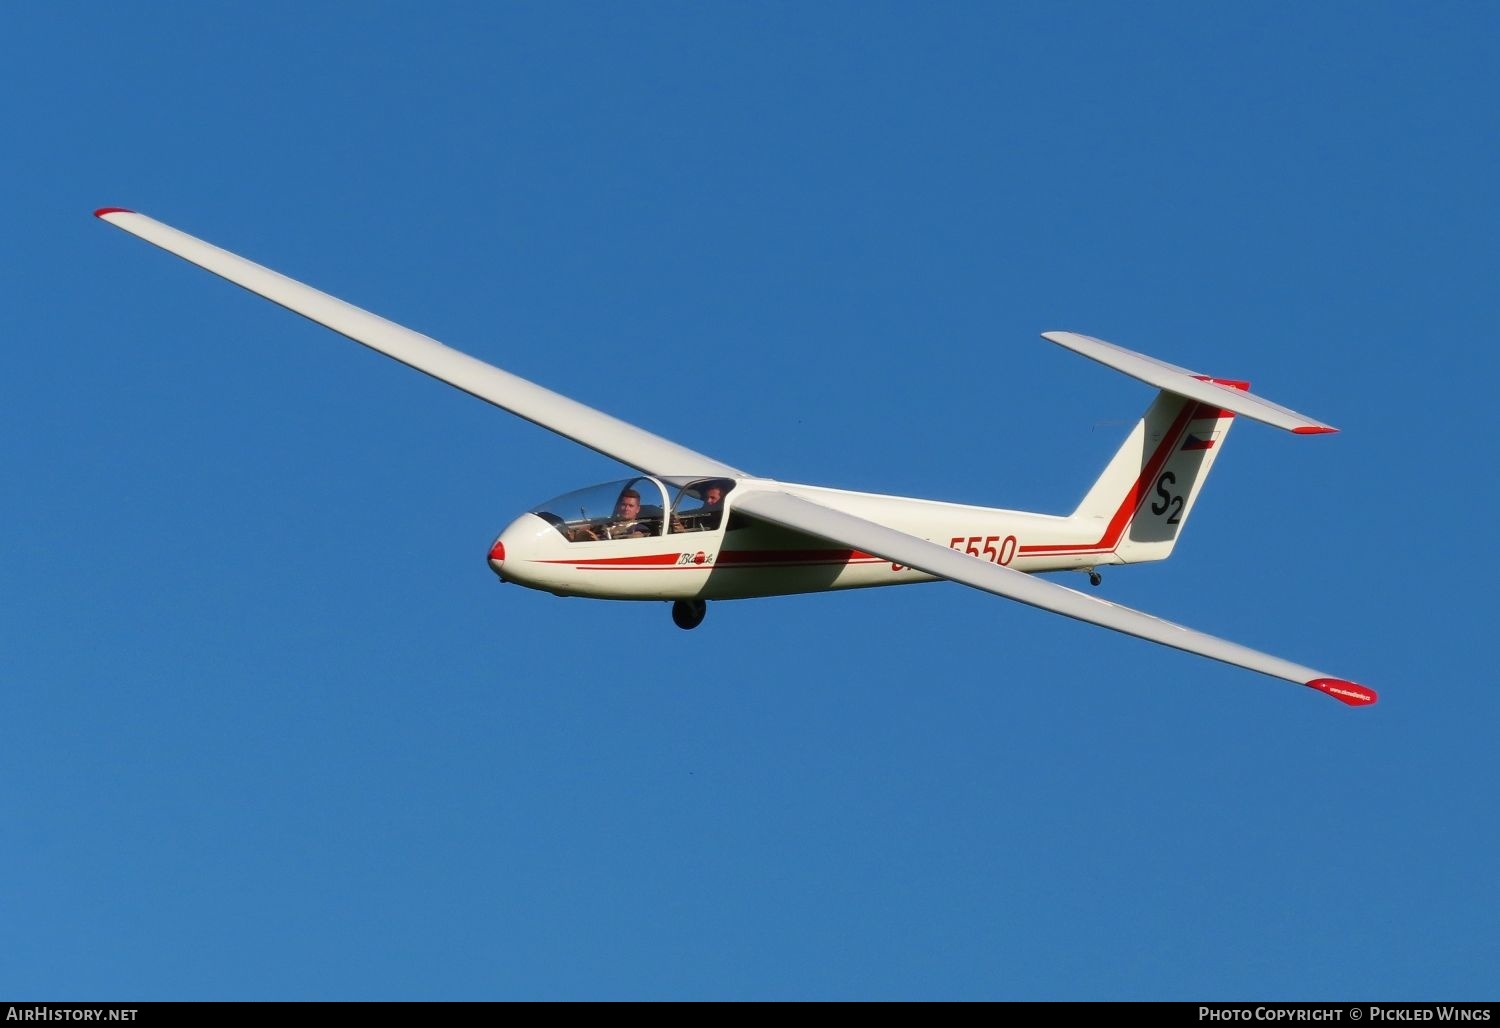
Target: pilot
point(625, 523)
point(627, 520)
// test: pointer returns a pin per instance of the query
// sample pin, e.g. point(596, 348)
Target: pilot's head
point(713, 495)
point(628, 505)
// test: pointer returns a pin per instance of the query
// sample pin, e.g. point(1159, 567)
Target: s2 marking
point(1169, 500)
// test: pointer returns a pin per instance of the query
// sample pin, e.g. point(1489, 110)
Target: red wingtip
point(1314, 430)
point(1345, 692)
point(102, 211)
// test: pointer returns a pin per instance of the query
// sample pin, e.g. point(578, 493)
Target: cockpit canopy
point(637, 508)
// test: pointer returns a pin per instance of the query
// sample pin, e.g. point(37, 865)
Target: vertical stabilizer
point(1144, 497)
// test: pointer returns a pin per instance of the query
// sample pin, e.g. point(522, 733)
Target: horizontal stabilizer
point(1187, 383)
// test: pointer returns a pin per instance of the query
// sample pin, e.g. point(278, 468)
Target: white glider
point(689, 528)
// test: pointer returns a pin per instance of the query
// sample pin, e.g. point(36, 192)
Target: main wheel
point(688, 614)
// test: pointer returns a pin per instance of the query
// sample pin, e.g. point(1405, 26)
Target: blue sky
point(272, 730)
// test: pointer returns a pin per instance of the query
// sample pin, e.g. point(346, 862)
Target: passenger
point(707, 517)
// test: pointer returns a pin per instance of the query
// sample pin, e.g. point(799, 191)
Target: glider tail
point(1146, 494)
point(1143, 499)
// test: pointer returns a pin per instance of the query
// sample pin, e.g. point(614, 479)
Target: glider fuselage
point(717, 556)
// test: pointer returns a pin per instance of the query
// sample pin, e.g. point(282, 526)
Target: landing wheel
point(1094, 578)
point(688, 614)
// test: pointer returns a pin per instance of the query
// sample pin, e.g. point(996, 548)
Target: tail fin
point(1143, 499)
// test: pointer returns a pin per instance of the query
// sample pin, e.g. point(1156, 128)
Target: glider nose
point(521, 550)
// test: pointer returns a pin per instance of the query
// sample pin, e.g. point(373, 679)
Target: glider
point(688, 528)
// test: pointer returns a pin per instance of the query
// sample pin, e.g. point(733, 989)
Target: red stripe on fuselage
point(652, 560)
point(736, 559)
